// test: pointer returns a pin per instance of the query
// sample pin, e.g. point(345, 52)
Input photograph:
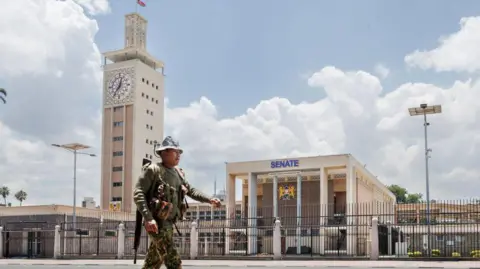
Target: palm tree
point(21, 196)
point(5, 192)
point(3, 95)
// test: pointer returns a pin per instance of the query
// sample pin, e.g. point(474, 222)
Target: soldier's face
point(171, 157)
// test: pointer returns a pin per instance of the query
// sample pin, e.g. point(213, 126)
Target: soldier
point(159, 195)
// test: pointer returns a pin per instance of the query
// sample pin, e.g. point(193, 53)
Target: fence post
point(56, 243)
point(374, 255)
point(121, 241)
point(277, 241)
point(206, 246)
point(1, 242)
point(193, 241)
point(389, 237)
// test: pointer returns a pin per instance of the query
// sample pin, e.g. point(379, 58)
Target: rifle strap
point(176, 228)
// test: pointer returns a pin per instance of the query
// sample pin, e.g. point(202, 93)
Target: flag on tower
point(141, 3)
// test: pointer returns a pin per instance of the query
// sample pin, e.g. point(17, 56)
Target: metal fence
point(89, 239)
point(318, 231)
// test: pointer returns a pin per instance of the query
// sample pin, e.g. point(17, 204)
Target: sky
point(249, 80)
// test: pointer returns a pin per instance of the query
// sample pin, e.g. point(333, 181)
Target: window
point(146, 140)
point(147, 82)
point(146, 96)
point(151, 142)
point(147, 126)
point(148, 111)
point(117, 168)
point(118, 138)
point(118, 153)
point(143, 79)
point(151, 127)
point(118, 108)
point(146, 155)
point(156, 87)
point(153, 85)
point(116, 199)
point(117, 123)
point(117, 184)
point(150, 156)
point(153, 100)
point(151, 113)
point(143, 94)
point(156, 101)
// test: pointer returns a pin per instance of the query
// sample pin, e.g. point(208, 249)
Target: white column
point(211, 213)
point(321, 245)
point(389, 237)
point(374, 251)
point(277, 241)
point(56, 243)
point(323, 196)
point(350, 210)
point(193, 241)
point(275, 196)
point(252, 213)
point(230, 208)
point(1, 242)
point(299, 213)
point(121, 241)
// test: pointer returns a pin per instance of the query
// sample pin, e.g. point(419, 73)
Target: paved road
point(128, 266)
point(125, 266)
point(78, 266)
point(238, 264)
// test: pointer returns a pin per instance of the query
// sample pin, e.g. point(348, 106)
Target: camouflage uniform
point(162, 249)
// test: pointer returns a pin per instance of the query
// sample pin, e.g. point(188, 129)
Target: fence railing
point(331, 230)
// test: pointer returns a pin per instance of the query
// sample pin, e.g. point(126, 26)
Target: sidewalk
point(237, 263)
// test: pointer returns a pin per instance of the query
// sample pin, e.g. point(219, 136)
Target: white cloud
point(95, 7)
point(54, 97)
point(456, 52)
point(48, 57)
point(381, 70)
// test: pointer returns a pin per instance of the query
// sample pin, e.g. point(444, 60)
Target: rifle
point(138, 233)
point(138, 222)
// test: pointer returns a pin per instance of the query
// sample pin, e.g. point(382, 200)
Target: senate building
point(308, 193)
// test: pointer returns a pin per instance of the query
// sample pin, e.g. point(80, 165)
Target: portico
point(302, 191)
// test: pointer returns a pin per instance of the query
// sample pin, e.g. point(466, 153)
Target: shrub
point(414, 254)
point(456, 254)
point(475, 253)
point(435, 253)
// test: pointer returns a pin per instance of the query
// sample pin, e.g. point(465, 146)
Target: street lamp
point(74, 148)
point(417, 111)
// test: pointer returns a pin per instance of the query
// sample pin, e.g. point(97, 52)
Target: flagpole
point(136, 6)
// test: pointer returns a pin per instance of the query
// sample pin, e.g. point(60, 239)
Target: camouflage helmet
point(168, 143)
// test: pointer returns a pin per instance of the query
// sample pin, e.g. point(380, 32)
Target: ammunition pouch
point(161, 210)
point(183, 210)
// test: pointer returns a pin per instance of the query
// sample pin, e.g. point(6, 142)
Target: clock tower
point(133, 111)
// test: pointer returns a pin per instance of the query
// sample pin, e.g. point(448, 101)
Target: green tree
point(5, 192)
point(403, 196)
point(399, 192)
point(21, 196)
point(3, 95)
point(413, 198)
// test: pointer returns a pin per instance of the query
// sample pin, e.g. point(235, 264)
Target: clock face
point(119, 86)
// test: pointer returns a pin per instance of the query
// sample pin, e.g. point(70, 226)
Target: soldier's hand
point(184, 189)
point(151, 226)
point(215, 202)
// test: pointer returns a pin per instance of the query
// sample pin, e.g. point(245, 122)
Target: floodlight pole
point(417, 111)
point(427, 179)
point(74, 149)
point(74, 217)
